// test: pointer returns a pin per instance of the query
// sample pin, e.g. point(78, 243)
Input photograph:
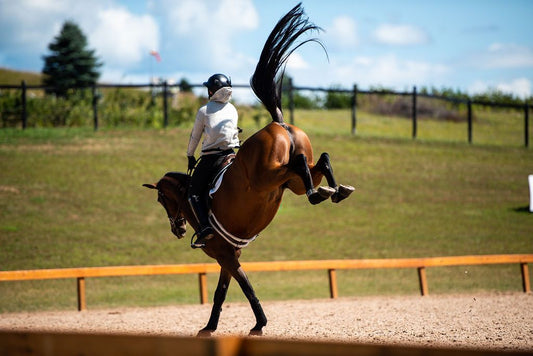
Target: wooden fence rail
point(165, 88)
point(330, 265)
point(29, 343)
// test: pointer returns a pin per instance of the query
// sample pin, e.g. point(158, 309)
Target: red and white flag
point(156, 55)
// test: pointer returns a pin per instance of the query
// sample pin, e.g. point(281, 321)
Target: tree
point(300, 101)
point(185, 85)
point(338, 100)
point(70, 63)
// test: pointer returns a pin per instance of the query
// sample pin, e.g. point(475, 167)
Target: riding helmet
point(217, 81)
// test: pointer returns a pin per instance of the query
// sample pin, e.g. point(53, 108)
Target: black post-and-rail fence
point(354, 92)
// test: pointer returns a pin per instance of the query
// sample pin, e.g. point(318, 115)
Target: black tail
point(278, 47)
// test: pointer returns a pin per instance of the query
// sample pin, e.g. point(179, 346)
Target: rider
point(217, 121)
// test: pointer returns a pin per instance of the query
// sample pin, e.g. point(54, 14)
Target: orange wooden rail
point(330, 265)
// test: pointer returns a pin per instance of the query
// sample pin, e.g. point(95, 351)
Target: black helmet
point(217, 81)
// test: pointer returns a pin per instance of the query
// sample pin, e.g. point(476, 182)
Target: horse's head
point(172, 195)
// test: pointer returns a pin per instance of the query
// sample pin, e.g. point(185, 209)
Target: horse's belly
point(246, 215)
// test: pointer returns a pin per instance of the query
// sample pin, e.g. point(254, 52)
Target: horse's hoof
point(342, 192)
point(321, 194)
point(255, 332)
point(204, 333)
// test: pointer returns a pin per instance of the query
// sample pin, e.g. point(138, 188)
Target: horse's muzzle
point(178, 229)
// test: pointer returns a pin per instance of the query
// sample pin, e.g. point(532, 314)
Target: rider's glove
point(192, 162)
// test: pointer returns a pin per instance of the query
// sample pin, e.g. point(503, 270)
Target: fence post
point(422, 281)
point(291, 102)
point(469, 105)
point(95, 108)
point(165, 104)
point(332, 283)
point(24, 114)
point(526, 124)
point(82, 302)
point(414, 113)
point(354, 109)
point(525, 277)
point(202, 281)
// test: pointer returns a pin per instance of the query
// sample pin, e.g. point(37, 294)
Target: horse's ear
point(151, 186)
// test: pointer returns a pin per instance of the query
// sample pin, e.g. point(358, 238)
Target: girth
point(231, 239)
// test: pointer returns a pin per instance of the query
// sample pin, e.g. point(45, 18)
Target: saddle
point(217, 178)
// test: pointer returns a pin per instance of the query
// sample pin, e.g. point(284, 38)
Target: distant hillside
point(15, 77)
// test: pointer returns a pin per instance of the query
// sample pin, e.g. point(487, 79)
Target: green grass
point(73, 198)
point(15, 77)
point(490, 127)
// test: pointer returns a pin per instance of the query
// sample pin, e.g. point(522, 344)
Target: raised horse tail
point(265, 82)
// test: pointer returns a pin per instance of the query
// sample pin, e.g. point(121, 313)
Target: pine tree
point(70, 63)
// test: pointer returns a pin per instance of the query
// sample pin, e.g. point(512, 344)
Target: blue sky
point(470, 45)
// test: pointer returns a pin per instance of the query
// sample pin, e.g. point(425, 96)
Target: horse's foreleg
point(323, 165)
point(302, 169)
point(220, 295)
point(248, 291)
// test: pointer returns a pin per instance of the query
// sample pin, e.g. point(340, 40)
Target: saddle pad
point(530, 179)
point(217, 182)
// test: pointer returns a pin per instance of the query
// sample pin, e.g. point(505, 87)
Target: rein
point(172, 219)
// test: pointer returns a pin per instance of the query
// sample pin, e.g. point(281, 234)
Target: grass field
point(73, 198)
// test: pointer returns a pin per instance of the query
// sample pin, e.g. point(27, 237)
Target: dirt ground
point(485, 321)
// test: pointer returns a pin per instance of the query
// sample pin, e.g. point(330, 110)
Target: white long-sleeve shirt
point(217, 120)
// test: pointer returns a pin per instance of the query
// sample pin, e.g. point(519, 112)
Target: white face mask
point(222, 95)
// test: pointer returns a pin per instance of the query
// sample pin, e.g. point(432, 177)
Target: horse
point(275, 158)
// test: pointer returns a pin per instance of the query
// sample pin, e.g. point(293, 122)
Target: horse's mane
point(177, 175)
point(182, 178)
point(277, 49)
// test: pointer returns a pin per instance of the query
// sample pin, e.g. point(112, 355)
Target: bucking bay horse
point(275, 158)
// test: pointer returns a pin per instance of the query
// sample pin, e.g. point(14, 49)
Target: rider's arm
point(196, 133)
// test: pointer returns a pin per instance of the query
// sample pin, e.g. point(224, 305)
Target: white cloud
point(506, 55)
point(400, 35)
point(122, 38)
point(237, 14)
point(478, 87)
point(211, 21)
point(389, 71)
point(363, 61)
point(296, 62)
point(342, 33)
point(216, 18)
point(208, 27)
point(30, 24)
point(520, 87)
point(188, 16)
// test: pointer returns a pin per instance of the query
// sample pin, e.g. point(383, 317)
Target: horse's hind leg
point(220, 295)
point(315, 196)
point(324, 166)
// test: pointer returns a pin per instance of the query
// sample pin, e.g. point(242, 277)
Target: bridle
point(174, 220)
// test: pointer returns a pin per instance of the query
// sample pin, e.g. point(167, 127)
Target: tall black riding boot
point(205, 231)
